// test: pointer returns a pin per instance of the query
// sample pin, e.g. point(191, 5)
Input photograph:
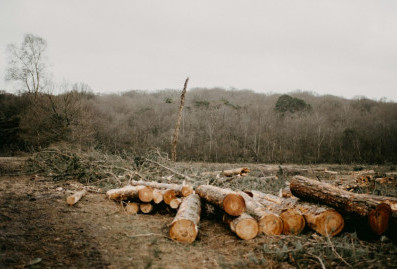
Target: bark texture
point(184, 227)
point(359, 205)
point(231, 202)
point(183, 189)
point(269, 222)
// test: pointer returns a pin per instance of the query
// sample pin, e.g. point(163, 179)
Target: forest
point(218, 125)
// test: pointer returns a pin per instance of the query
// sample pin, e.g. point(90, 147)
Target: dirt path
point(36, 225)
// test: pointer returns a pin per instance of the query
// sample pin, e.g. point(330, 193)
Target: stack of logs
point(310, 203)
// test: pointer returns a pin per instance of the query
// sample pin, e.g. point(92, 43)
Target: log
point(184, 189)
point(293, 220)
point(238, 171)
point(157, 196)
point(359, 205)
point(244, 226)
point(74, 198)
point(132, 208)
point(231, 202)
point(322, 219)
point(143, 193)
point(184, 227)
point(146, 208)
point(174, 204)
point(168, 196)
point(269, 223)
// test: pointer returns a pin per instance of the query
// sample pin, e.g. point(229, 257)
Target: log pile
point(306, 203)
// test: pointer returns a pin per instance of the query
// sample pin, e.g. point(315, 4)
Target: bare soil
point(39, 230)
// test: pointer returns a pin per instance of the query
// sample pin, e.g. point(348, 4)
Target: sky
point(345, 48)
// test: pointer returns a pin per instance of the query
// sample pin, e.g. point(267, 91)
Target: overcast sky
point(345, 48)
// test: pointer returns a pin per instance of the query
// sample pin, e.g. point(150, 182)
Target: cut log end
point(329, 223)
point(293, 222)
point(168, 196)
point(184, 231)
point(379, 218)
point(174, 204)
point(270, 224)
point(146, 208)
point(234, 204)
point(132, 208)
point(145, 194)
point(247, 229)
point(157, 196)
point(187, 190)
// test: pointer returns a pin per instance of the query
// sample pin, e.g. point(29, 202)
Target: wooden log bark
point(132, 208)
point(293, 220)
point(322, 219)
point(143, 193)
point(359, 205)
point(184, 227)
point(244, 226)
point(269, 223)
point(181, 189)
point(174, 204)
point(146, 208)
point(74, 198)
point(238, 171)
point(231, 202)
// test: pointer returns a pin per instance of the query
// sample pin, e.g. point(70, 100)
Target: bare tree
point(26, 63)
point(178, 122)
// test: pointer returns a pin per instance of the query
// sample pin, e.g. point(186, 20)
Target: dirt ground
point(39, 230)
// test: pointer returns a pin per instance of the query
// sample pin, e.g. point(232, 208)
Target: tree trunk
point(293, 220)
point(184, 226)
point(269, 223)
point(244, 226)
point(143, 193)
point(231, 202)
point(132, 208)
point(178, 122)
point(184, 190)
point(74, 198)
point(238, 171)
point(146, 208)
point(378, 209)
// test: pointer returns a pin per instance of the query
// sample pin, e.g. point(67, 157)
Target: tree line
point(218, 125)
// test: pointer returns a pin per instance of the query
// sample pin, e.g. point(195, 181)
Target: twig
point(319, 259)
point(171, 170)
point(334, 250)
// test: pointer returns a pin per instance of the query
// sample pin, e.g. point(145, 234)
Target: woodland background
point(218, 125)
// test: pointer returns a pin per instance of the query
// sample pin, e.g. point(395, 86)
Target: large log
point(293, 220)
point(359, 205)
point(74, 198)
point(244, 226)
point(322, 219)
point(184, 226)
point(231, 202)
point(143, 193)
point(269, 223)
point(183, 189)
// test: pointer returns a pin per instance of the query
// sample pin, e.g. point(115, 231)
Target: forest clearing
point(39, 229)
